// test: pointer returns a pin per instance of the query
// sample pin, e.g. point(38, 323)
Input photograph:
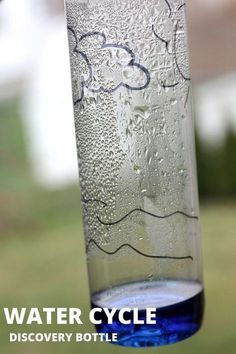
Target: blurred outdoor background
point(42, 261)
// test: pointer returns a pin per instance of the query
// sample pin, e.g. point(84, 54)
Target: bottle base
point(174, 323)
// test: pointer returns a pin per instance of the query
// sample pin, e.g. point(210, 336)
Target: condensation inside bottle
point(134, 129)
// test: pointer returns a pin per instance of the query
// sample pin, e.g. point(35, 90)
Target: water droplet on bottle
point(137, 169)
point(173, 101)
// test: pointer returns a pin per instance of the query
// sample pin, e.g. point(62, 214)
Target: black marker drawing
point(94, 44)
point(147, 213)
point(127, 245)
point(176, 56)
point(180, 7)
point(174, 52)
point(169, 7)
point(161, 39)
point(189, 216)
point(169, 85)
point(130, 64)
point(80, 83)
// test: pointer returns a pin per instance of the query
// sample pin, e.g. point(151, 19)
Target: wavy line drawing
point(127, 245)
point(139, 210)
point(105, 45)
point(148, 213)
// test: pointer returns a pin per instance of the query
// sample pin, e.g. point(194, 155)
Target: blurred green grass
point(42, 258)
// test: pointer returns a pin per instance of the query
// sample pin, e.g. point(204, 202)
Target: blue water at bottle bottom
point(174, 322)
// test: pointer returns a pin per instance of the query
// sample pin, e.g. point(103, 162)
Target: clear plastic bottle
point(134, 129)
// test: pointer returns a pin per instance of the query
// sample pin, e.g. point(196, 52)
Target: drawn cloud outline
point(132, 63)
